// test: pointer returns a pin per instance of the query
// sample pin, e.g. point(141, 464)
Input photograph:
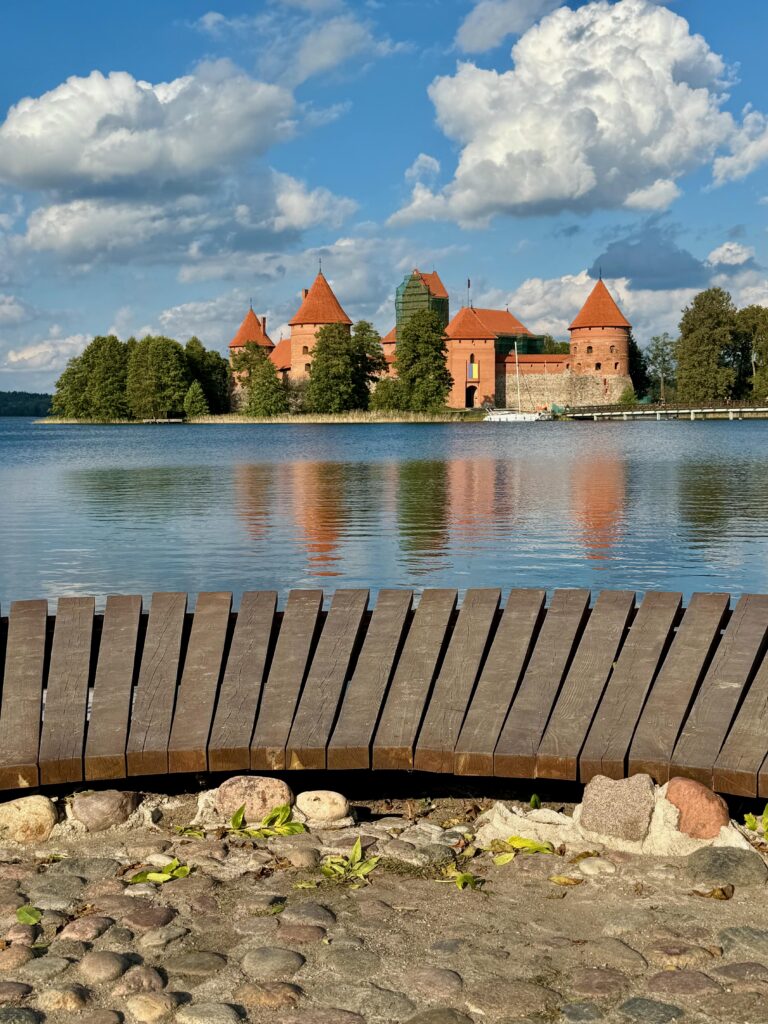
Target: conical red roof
point(320, 306)
point(600, 310)
point(251, 330)
point(480, 324)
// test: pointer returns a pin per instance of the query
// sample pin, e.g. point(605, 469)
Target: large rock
point(702, 812)
point(99, 811)
point(258, 793)
point(618, 808)
point(322, 805)
point(718, 864)
point(30, 819)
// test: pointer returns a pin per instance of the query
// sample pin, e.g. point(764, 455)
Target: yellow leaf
point(565, 880)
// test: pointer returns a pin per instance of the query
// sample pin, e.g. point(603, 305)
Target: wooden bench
point(505, 685)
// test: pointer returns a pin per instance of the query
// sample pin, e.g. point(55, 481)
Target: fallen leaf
point(720, 892)
point(565, 880)
point(583, 856)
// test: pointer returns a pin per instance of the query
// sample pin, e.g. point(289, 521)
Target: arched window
point(306, 367)
point(305, 350)
point(589, 350)
point(575, 349)
point(613, 349)
point(567, 366)
point(615, 366)
point(598, 366)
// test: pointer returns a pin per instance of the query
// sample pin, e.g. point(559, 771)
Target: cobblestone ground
point(242, 939)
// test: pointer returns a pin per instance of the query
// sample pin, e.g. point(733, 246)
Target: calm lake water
point(98, 510)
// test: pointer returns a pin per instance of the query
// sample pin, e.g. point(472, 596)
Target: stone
point(159, 938)
point(208, 1013)
point(301, 934)
point(723, 864)
point(581, 1013)
point(648, 1011)
point(745, 940)
point(272, 995)
point(23, 934)
point(66, 1000)
point(304, 858)
point(681, 983)
point(143, 916)
point(435, 984)
point(373, 1000)
point(150, 1007)
point(100, 1017)
point(44, 968)
point(441, 1016)
point(92, 869)
point(322, 805)
point(18, 1015)
point(399, 849)
point(747, 974)
point(70, 949)
point(101, 966)
point(308, 913)
point(677, 955)
point(598, 981)
point(260, 927)
point(272, 963)
point(322, 1015)
point(86, 929)
point(13, 992)
point(702, 812)
point(195, 965)
point(594, 866)
point(14, 957)
point(30, 819)
point(620, 808)
point(139, 979)
point(101, 810)
point(257, 793)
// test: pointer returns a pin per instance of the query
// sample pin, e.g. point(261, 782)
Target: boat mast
point(517, 375)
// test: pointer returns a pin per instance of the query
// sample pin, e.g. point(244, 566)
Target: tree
point(421, 362)
point(752, 325)
point(106, 367)
point(333, 381)
point(550, 347)
point(638, 368)
point(70, 399)
point(628, 397)
point(660, 359)
point(709, 355)
point(265, 391)
point(158, 378)
point(388, 396)
point(212, 371)
point(368, 361)
point(195, 404)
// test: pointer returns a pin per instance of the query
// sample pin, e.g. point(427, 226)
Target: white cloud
point(115, 130)
point(604, 105)
point(491, 21)
point(51, 354)
point(749, 149)
point(300, 208)
point(332, 43)
point(658, 196)
point(14, 310)
point(731, 254)
point(424, 166)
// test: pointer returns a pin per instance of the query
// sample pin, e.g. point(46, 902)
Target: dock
point(668, 412)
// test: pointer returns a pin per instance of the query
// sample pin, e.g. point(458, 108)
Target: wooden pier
point(517, 689)
point(669, 412)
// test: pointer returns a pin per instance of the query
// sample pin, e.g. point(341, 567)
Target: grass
point(358, 416)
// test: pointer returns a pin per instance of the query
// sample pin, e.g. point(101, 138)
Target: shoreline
point(226, 419)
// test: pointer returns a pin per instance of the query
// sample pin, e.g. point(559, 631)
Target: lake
point(98, 510)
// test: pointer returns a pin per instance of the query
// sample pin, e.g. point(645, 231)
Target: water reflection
point(598, 497)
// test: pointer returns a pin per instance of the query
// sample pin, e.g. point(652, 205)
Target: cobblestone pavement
point(242, 939)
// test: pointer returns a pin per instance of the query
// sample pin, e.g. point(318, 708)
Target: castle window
point(613, 349)
point(598, 366)
point(615, 366)
point(589, 350)
point(567, 366)
point(306, 367)
point(305, 351)
point(575, 349)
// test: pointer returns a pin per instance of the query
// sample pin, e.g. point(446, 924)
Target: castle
point(492, 357)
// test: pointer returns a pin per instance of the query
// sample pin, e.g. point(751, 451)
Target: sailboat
point(516, 416)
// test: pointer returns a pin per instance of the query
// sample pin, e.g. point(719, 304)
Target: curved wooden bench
point(521, 688)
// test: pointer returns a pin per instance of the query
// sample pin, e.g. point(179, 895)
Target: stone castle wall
point(542, 391)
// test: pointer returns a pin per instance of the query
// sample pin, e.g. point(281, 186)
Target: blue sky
point(162, 164)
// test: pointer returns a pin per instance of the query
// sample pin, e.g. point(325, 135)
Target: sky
point(163, 165)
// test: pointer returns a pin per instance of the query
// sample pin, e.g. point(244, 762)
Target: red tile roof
point(480, 324)
point(251, 330)
point(433, 282)
point(390, 338)
point(501, 321)
point(320, 306)
point(600, 310)
point(281, 354)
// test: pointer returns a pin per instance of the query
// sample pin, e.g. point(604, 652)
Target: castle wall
point(303, 337)
point(472, 364)
point(541, 391)
point(600, 350)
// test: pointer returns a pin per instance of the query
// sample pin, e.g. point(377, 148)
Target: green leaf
point(309, 884)
point(535, 802)
point(765, 821)
point(750, 822)
point(182, 871)
point(237, 819)
point(356, 854)
point(529, 845)
point(141, 876)
point(160, 877)
point(504, 858)
point(291, 828)
point(28, 914)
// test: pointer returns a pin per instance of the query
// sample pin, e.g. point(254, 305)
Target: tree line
point(24, 403)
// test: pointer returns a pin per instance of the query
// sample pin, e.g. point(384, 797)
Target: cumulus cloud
point(299, 208)
point(14, 310)
point(114, 129)
point(749, 149)
point(491, 21)
point(424, 166)
point(605, 106)
point(50, 354)
point(731, 254)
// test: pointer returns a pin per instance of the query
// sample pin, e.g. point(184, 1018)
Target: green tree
point(195, 404)
point(333, 382)
point(158, 378)
point(70, 399)
point(212, 371)
point(421, 362)
point(265, 392)
point(660, 359)
point(550, 347)
point(388, 396)
point(638, 368)
point(106, 367)
point(752, 325)
point(628, 397)
point(368, 361)
point(709, 355)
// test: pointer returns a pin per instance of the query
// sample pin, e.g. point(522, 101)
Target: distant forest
point(24, 403)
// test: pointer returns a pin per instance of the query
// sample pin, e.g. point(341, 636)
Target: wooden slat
point(738, 765)
point(111, 708)
point(713, 710)
point(286, 678)
point(196, 697)
point(323, 689)
point(610, 737)
point(66, 697)
point(558, 754)
point(229, 748)
point(147, 750)
point(672, 693)
point(22, 698)
point(515, 754)
point(454, 686)
point(405, 703)
point(350, 745)
point(503, 669)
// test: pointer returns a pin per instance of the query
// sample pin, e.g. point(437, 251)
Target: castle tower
point(600, 337)
point(318, 308)
point(253, 330)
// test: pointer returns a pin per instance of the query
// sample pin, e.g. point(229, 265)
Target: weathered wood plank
point(499, 679)
point(350, 744)
point(110, 712)
point(66, 696)
point(558, 754)
point(610, 736)
point(405, 703)
point(515, 754)
point(672, 694)
point(323, 689)
point(229, 747)
point(147, 750)
point(22, 697)
point(733, 665)
point(454, 686)
point(196, 697)
point(738, 765)
point(286, 678)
